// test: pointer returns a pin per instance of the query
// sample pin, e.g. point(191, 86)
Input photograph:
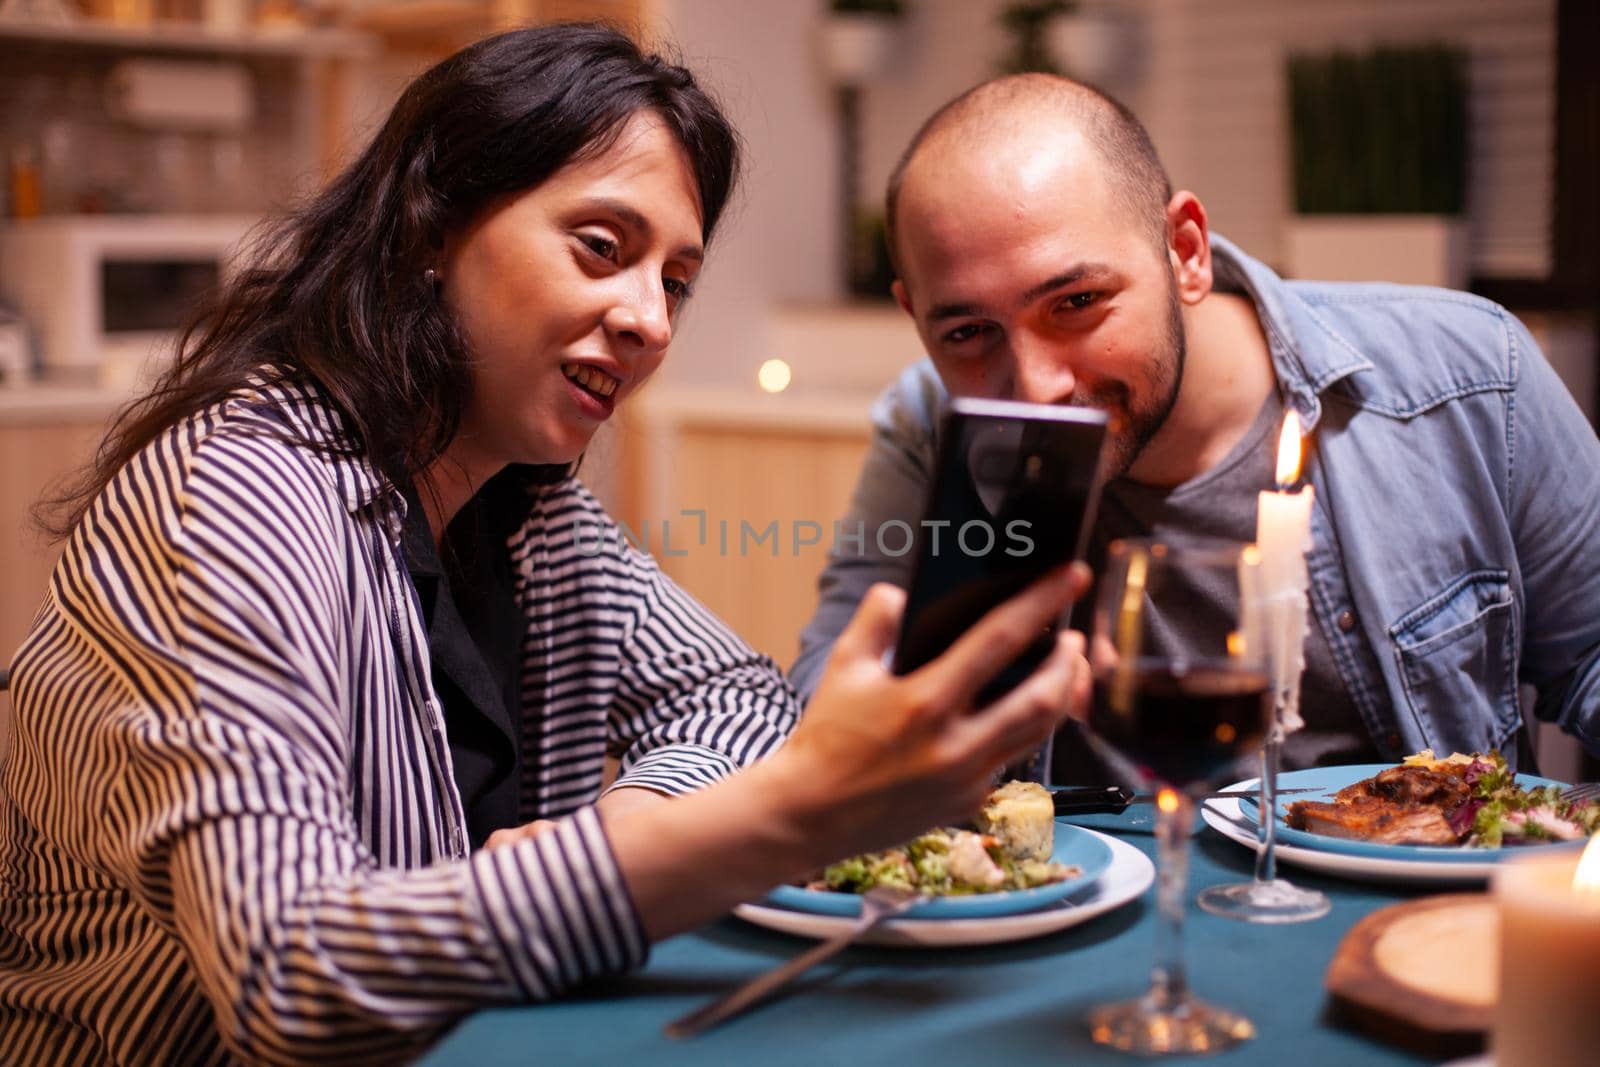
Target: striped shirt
point(229, 829)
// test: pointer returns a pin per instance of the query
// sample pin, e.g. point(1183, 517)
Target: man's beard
point(1136, 418)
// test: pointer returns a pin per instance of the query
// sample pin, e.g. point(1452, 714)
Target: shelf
point(419, 16)
point(192, 37)
point(442, 25)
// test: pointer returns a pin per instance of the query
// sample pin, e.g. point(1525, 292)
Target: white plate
point(1224, 816)
point(1129, 875)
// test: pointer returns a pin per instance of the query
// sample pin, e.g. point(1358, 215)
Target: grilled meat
point(1398, 806)
point(1411, 785)
point(1377, 819)
point(1418, 785)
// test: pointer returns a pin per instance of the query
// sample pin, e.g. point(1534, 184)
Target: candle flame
point(1289, 450)
point(1167, 801)
point(1586, 879)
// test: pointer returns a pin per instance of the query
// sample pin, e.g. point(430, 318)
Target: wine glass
point(1181, 696)
point(1266, 898)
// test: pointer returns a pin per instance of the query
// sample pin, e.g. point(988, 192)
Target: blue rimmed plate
point(1329, 780)
point(1128, 877)
point(1075, 847)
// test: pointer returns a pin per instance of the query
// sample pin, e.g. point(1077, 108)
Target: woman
point(320, 629)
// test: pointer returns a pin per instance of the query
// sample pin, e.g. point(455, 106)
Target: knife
point(1113, 800)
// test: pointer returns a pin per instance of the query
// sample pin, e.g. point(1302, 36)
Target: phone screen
point(1014, 492)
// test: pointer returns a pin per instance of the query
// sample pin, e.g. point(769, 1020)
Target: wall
point(777, 243)
point(1210, 91)
point(1218, 112)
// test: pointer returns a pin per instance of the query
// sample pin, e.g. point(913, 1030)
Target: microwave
point(105, 296)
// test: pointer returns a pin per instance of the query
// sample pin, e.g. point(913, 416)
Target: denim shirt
point(1456, 533)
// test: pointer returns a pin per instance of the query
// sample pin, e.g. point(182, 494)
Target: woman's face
point(567, 293)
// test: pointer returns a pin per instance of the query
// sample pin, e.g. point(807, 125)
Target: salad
point(944, 862)
point(1010, 849)
point(1499, 812)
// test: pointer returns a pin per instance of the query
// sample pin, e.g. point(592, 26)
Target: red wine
point(1181, 728)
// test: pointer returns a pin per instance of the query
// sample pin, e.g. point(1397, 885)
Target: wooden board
point(1423, 974)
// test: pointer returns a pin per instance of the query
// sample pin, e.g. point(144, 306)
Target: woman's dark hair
point(337, 291)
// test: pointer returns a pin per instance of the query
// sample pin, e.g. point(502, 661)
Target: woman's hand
point(611, 806)
point(875, 760)
point(879, 757)
point(512, 834)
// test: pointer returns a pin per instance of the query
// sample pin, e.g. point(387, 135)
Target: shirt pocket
point(1457, 658)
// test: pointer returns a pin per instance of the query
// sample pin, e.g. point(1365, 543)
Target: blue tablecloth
point(1015, 1004)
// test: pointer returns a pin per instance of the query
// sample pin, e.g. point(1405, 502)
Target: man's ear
point(902, 297)
point(1189, 246)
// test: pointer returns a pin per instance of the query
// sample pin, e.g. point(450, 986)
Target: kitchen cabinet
point(55, 80)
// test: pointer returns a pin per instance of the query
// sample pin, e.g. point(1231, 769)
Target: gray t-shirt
point(1221, 503)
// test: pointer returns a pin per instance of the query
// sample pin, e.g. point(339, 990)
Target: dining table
point(1017, 1003)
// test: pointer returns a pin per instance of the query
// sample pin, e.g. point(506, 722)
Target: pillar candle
point(1549, 1009)
point(1283, 533)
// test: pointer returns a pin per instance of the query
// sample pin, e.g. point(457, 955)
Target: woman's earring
point(431, 276)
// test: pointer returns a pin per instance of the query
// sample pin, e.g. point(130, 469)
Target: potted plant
point(1026, 21)
point(871, 273)
point(859, 38)
point(1378, 142)
point(858, 42)
point(1094, 42)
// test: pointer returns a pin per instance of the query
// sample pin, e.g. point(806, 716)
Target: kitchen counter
point(35, 403)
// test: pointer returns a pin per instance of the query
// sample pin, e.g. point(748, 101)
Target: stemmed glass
point(1266, 898)
point(1181, 695)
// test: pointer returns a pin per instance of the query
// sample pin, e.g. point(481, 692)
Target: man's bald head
point(1018, 105)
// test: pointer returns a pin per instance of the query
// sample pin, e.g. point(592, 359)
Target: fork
point(880, 903)
point(1581, 793)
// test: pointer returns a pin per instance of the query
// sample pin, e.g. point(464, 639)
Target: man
point(1043, 257)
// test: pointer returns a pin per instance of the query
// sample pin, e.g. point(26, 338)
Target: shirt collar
point(1308, 354)
point(310, 416)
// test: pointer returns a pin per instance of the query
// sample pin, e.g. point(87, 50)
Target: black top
point(474, 643)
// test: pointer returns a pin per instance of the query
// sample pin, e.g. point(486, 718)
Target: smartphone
point(1014, 493)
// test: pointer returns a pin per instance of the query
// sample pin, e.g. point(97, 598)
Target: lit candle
point(1549, 1008)
point(1283, 533)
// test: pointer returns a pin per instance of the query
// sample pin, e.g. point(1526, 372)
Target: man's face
point(1029, 280)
